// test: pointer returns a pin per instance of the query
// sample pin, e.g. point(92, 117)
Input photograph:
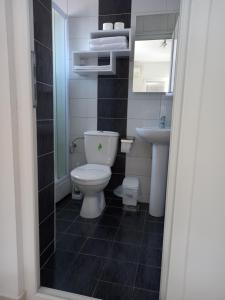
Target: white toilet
point(92, 178)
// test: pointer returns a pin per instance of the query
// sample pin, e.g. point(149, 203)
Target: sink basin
point(159, 138)
point(154, 135)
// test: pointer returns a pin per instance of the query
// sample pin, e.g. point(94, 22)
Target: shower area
point(60, 100)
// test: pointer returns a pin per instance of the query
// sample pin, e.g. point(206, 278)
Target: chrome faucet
point(162, 123)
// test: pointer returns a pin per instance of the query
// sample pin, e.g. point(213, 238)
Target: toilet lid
point(91, 172)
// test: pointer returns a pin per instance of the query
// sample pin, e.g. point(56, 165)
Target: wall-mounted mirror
point(154, 53)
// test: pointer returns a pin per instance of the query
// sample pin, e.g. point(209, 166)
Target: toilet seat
point(91, 174)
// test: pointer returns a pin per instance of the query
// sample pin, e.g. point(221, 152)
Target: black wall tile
point(45, 138)
point(46, 254)
point(125, 18)
point(118, 125)
point(108, 7)
point(112, 88)
point(122, 67)
point(46, 232)
point(42, 24)
point(115, 181)
point(119, 164)
point(43, 64)
point(46, 202)
point(112, 108)
point(45, 101)
point(45, 170)
point(47, 3)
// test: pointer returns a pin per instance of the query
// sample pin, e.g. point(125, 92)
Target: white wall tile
point(83, 8)
point(82, 89)
point(173, 5)
point(138, 166)
point(78, 44)
point(79, 125)
point(143, 6)
point(132, 124)
point(80, 27)
point(144, 109)
point(76, 160)
point(85, 108)
point(140, 149)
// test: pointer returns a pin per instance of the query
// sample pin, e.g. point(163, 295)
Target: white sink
point(159, 138)
point(154, 135)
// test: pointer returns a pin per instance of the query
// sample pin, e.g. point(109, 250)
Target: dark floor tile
point(61, 260)
point(86, 220)
point(111, 7)
point(139, 294)
point(119, 164)
point(74, 204)
point(82, 229)
point(47, 3)
point(70, 243)
point(51, 278)
point(97, 247)
point(150, 256)
point(133, 220)
point(104, 232)
point(112, 291)
point(62, 225)
point(44, 101)
point(154, 219)
point(148, 278)
point(112, 221)
point(83, 275)
point(116, 202)
point(113, 211)
point(119, 272)
point(143, 206)
point(62, 203)
point(129, 236)
point(67, 215)
point(125, 252)
point(152, 240)
point(154, 227)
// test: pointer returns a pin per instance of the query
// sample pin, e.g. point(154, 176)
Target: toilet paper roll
point(107, 26)
point(126, 145)
point(119, 26)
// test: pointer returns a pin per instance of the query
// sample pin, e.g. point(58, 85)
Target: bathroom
point(113, 246)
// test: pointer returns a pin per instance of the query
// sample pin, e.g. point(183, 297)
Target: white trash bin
point(131, 190)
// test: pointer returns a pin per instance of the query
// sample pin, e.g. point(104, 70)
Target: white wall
point(11, 284)
point(83, 18)
point(197, 256)
point(145, 109)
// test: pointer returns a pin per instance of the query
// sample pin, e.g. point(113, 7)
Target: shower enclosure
point(60, 95)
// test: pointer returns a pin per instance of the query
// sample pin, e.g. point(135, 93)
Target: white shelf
point(83, 59)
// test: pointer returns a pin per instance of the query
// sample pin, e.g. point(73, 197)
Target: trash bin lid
point(131, 182)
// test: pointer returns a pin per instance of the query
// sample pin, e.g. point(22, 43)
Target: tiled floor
point(116, 256)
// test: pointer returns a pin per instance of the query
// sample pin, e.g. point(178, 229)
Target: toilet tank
point(101, 147)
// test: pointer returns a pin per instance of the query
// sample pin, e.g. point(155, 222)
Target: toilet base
point(93, 205)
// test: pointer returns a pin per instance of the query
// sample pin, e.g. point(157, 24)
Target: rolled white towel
point(114, 46)
point(108, 40)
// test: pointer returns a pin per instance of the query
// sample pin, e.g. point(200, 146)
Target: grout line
point(44, 83)
point(48, 216)
point(52, 241)
point(43, 45)
point(124, 13)
point(46, 186)
point(49, 10)
point(45, 154)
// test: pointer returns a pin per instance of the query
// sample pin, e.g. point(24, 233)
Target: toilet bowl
point(92, 178)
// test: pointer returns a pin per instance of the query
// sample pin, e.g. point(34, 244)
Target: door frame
point(26, 133)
